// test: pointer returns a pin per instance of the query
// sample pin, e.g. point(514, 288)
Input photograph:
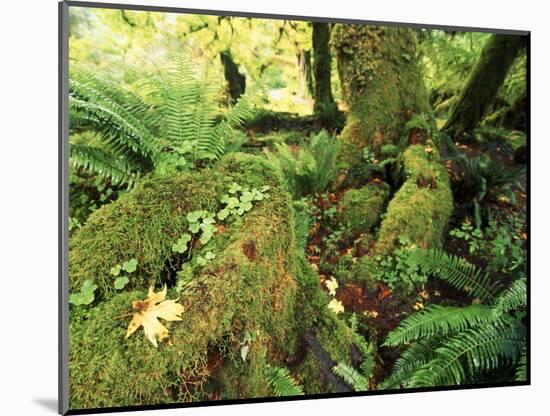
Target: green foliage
point(514, 297)
point(436, 321)
point(86, 294)
point(458, 273)
point(521, 370)
point(398, 270)
point(282, 382)
point(467, 232)
point(240, 199)
point(121, 282)
point(456, 345)
point(478, 180)
point(181, 245)
point(175, 126)
point(351, 376)
point(313, 168)
point(129, 266)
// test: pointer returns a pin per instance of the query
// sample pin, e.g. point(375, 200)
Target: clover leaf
point(121, 281)
point(86, 294)
point(130, 266)
point(181, 245)
point(115, 271)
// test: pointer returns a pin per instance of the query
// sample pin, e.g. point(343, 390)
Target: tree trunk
point(480, 90)
point(388, 104)
point(304, 67)
point(236, 82)
point(382, 85)
point(324, 101)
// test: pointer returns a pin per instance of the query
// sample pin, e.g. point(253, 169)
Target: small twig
point(123, 316)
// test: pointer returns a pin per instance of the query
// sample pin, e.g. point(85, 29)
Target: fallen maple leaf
point(331, 285)
point(336, 306)
point(147, 311)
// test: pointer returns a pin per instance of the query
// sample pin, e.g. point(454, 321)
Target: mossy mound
point(253, 290)
point(248, 288)
point(360, 209)
point(381, 83)
point(420, 210)
point(145, 223)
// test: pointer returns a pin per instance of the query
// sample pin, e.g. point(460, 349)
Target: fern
point(351, 376)
point(521, 369)
point(282, 382)
point(438, 320)
point(93, 159)
point(177, 118)
point(458, 273)
point(414, 357)
point(455, 345)
point(368, 349)
point(313, 169)
point(512, 298)
point(471, 352)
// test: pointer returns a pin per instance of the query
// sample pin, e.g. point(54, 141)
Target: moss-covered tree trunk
point(324, 101)
point(482, 86)
point(381, 83)
point(236, 82)
point(388, 104)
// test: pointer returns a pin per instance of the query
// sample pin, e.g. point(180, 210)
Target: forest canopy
point(269, 207)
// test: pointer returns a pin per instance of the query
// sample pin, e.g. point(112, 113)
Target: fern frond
point(521, 369)
point(282, 382)
point(96, 161)
point(414, 357)
point(129, 100)
point(118, 128)
point(438, 320)
point(458, 273)
point(471, 352)
point(351, 376)
point(515, 296)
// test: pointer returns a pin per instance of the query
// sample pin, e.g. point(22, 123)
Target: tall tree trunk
point(304, 67)
point(324, 101)
point(236, 82)
point(486, 77)
point(382, 85)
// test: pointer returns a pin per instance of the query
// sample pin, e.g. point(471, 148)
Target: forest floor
point(383, 310)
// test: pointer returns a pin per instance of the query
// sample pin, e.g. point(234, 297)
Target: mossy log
point(253, 286)
point(381, 83)
point(360, 209)
point(421, 208)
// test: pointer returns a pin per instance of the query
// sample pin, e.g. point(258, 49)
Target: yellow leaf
point(336, 306)
point(147, 311)
point(332, 285)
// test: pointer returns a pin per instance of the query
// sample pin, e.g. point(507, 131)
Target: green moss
point(314, 317)
point(381, 83)
point(423, 205)
point(249, 287)
point(145, 223)
point(360, 209)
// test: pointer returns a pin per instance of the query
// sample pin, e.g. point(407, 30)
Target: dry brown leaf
point(147, 312)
